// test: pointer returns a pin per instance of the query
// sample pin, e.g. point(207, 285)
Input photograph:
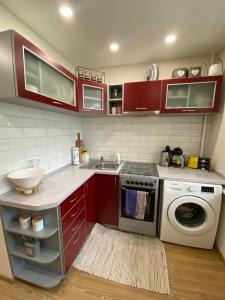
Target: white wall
point(9, 21)
point(136, 72)
point(141, 138)
point(217, 151)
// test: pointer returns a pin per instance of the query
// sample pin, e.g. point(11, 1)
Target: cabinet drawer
point(74, 246)
point(67, 236)
point(71, 200)
point(72, 215)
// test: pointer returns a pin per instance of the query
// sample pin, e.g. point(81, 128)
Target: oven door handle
point(149, 191)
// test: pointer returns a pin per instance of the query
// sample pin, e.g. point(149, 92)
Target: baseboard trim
point(6, 279)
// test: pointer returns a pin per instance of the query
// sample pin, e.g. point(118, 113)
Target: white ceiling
point(139, 26)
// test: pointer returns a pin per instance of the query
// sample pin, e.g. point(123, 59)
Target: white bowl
point(27, 178)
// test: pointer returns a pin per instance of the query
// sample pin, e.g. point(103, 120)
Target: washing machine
point(190, 213)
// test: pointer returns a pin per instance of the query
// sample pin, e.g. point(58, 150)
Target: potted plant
point(31, 246)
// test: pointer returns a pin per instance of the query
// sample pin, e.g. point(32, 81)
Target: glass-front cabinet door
point(191, 95)
point(92, 96)
point(42, 79)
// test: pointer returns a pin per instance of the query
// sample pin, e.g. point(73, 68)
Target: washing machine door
point(191, 215)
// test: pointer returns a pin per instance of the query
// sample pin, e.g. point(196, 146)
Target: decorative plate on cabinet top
point(152, 73)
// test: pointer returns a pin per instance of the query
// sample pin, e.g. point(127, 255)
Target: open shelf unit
point(47, 232)
point(38, 276)
point(46, 269)
point(115, 101)
point(46, 256)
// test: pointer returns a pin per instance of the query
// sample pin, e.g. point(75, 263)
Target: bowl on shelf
point(26, 180)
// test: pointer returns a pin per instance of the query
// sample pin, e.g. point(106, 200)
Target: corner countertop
point(190, 175)
point(54, 189)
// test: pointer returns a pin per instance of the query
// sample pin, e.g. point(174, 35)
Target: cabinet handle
point(74, 228)
point(141, 108)
point(86, 187)
point(55, 102)
point(115, 182)
point(73, 215)
point(71, 201)
point(76, 239)
point(188, 109)
point(86, 109)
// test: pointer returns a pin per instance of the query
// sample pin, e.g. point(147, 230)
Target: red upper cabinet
point(191, 95)
point(90, 203)
point(107, 199)
point(142, 96)
point(92, 96)
point(31, 74)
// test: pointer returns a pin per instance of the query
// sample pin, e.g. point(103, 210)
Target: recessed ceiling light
point(170, 38)
point(66, 11)
point(114, 47)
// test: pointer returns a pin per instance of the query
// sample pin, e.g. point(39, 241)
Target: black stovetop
point(141, 169)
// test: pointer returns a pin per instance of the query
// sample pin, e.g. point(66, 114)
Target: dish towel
point(141, 204)
point(131, 203)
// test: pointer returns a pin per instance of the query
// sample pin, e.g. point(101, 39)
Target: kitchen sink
point(102, 165)
point(107, 165)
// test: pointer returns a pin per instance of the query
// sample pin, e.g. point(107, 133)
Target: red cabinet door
point(90, 203)
point(142, 96)
point(92, 97)
point(191, 95)
point(107, 199)
point(37, 83)
point(74, 246)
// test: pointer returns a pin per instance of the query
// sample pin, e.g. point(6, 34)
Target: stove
point(140, 169)
point(139, 177)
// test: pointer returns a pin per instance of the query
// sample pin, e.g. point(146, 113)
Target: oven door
point(149, 214)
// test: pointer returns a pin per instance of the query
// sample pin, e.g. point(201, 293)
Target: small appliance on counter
point(177, 158)
point(204, 163)
point(193, 162)
point(165, 158)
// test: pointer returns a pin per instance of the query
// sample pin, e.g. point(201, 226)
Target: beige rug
point(129, 259)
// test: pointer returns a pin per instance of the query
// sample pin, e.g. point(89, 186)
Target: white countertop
point(53, 190)
point(191, 175)
point(57, 187)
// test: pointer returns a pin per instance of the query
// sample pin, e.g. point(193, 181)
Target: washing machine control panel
point(207, 189)
point(192, 188)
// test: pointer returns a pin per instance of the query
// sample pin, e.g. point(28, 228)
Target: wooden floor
point(195, 275)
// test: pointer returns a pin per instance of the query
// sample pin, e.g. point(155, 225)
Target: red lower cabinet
point(90, 203)
point(74, 246)
point(107, 199)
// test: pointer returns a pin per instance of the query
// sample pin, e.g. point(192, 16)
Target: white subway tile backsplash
point(34, 132)
point(27, 133)
point(7, 133)
point(18, 122)
point(22, 143)
point(141, 138)
point(4, 145)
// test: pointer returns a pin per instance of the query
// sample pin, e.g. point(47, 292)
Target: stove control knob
point(137, 182)
point(151, 184)
point(146, 183)
point(141, 183)
point(132, 182)
point(128, 181)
